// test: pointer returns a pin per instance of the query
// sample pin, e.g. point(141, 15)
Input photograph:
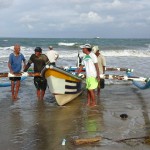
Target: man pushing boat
point(39, 60)
point(92, 73)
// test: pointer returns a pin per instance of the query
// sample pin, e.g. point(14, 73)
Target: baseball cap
point(95, 49)
point(86, 46)
point(38, 49)
point(50, 47)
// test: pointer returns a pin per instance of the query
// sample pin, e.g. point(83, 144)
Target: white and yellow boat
point(62, 84)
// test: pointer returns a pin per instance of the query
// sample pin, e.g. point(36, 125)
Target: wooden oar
point(118, 77)
point(118, 69)
point(72, 69)
point(22, 74)
point(121, 77)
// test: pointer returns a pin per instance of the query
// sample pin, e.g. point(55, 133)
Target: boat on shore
point(65, 85)
point(62, 84)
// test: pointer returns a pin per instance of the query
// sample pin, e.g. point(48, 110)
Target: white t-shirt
point(89, 61)
point(101, 63)
point(52, 55)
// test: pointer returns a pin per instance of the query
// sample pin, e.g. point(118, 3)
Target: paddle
point(118, 77)
point(21, 74)
point(121, 77)
point(118, 69)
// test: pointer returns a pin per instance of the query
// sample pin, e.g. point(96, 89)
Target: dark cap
point(38, 49)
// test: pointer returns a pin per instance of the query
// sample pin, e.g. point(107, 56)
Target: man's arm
point(24, 63)
point(97, 70)
point(47, 62)
point(104, 69)
point(9, 66)
point(57, 56)
point(80, 69)
point(27, 67)
point(9, 63)
point(104, 64)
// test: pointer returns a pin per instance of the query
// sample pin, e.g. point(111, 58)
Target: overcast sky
point(75, 18)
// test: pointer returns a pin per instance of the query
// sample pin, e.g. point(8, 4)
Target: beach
point(32, 124)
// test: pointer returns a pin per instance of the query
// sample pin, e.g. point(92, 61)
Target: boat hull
point(63, 85)
point(65, 98)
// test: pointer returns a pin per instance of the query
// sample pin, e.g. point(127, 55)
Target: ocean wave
point(128, 53)
point(148, 45)
point(73, 50)
point(109, 53)
point(66, 44)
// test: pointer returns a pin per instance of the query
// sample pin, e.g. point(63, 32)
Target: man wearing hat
point(39, 60)
point(101, 65)
point(52, 56)
point(92, 73)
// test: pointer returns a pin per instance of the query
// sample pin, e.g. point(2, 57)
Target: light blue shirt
point(16, 62)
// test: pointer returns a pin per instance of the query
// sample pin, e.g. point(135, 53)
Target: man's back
point(52, 55)
point(101, 63)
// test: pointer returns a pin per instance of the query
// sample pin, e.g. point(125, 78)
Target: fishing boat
point(62, 84)
point(65, 85)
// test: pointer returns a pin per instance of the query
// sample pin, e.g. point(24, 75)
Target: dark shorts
point(15, 78)
point(102, 83)
point(40, 83)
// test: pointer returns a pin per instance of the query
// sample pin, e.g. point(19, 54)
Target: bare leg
point(92, 94)
point(17, 89)
point(12, 89)
point(42, 94)
point(98, 91)
point(88, 98)
point(38, 94)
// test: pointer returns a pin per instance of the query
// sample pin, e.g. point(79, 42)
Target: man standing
point(92, 73)
point(101, 65)
point(15, 66)
point(52, 56)
point(39, 60)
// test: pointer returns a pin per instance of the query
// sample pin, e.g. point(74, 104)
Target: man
point(92, 73)
point(39, 60)
point(15, 66)
point(52, 56)
point(101, 65)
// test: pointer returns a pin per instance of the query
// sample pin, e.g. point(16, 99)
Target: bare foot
point(88, 104)
point(13, 98)
point(98, 93)
point(93, 104)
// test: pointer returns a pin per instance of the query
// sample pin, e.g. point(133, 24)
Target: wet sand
point(42, 125)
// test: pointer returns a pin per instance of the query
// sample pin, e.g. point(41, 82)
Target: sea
point(30, 124)
point(130, 53)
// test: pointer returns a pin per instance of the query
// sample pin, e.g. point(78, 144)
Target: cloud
point(5, 3)
point(29, 19)
point(93, 17)
point(30, 26)
point(74, 17)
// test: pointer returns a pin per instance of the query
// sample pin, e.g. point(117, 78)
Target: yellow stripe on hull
point(51, 72)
